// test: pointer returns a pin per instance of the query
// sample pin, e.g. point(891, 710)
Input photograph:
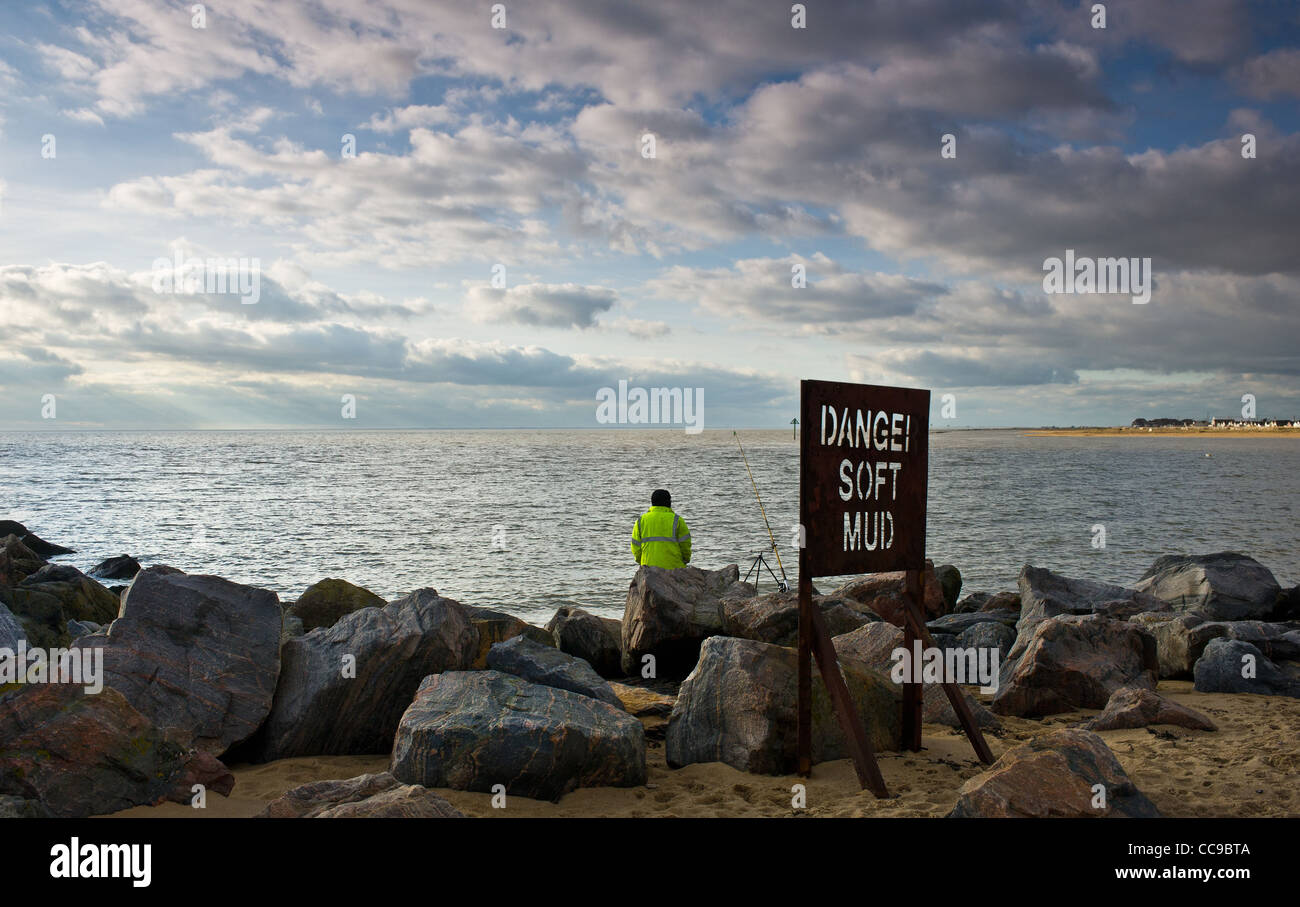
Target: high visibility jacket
point(660, 538)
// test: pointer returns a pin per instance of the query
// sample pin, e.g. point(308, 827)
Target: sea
point(529, 520)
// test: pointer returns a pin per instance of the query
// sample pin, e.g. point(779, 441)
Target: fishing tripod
point(761, 561)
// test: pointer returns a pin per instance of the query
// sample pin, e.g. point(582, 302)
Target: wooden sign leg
point(913, 617)
point(912, 692)
point(804, 708)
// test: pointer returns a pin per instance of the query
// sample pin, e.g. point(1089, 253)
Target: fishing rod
point(783, 583)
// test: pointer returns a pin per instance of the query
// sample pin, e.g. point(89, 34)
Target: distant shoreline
point(1165, 432)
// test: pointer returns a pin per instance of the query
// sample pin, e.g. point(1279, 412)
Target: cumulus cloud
point(542, 305)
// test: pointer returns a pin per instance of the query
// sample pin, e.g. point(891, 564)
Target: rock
point(882, 594)
point(1045, 594)
point(374, 796)
point(46, 600)
point(44, 548)
point(1222, 586)
point(11, 632)
point(1053, 775)
point(871, 644)
point(18, 808)
point(1288, 604)
point(956, 624)
point(1221, 666)
point(549, 666)
point(641, 702)
point(988, 635)
point(121, 567)
point(290, 628)
point(1181, 638)
point(1131, 707)
point(774, 617)
point(936, 709)
point(1074, 661)
point(949, 578)
point(320, 711)
point(739, 707)
point(205, 769)
point(17, 561)
point(323, 603)
point(596, 640)
point(670, 612)
point(497, 626)
point(470, 730)
point(80, 628)
point(944, 640)
point(199, 654)
point(82, 754)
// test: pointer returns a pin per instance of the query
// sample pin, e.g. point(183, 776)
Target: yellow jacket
point(660, 538)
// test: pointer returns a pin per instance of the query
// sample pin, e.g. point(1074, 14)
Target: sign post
point(863, 470)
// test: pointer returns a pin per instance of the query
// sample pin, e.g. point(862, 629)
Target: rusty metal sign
point(863, 469)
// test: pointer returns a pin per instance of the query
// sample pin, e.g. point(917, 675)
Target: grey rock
point(373, 796)
point(549, 666)
point(121, 567)
point(80, 628)
point(1221, 667)
point(1045, 594)
point(1132, 707)
point(956, 624)
point(774, 617)
point(1221, 586)
point(11, 632)
point(670, 612)
point(318, 710)
point(596, 640)
point(471, 730)
point(950, 581)
point(988, 635)
point(44, 602)
point(497, 626)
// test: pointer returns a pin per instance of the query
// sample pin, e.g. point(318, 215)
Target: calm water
point(394, 511)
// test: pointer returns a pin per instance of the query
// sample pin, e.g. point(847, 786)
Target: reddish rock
point(373, 796)
point(882, 594)
point(1131, 707)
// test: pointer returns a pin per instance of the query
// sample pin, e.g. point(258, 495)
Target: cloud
point(542, 305)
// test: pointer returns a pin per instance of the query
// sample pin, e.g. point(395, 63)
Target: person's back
point(660, 538)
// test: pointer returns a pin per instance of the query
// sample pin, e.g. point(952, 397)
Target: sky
point(468, 215)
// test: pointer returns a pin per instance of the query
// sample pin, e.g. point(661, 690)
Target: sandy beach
point(1248, 768)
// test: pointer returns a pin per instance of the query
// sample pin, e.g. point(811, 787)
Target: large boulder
point(1221, 586)
point(31, 540)
point(472, 730)
point(46, 600)
point(11, 631)
point(596, 640)
point(1054, 775)
point(373, 796)
point(197, 654)
point(670, 612)
point(82, 754)
point(949, 578)
point(323, 603)
point(1071, 662)
point(17, 561)
point(988, 601)
point(550, 667)
point(1045, 594)
point(497, 626)
point(774, 617)
point(123, 566)
point(343, 688)
point(874, 645)
point(1132, 707)
point(1181, 638)
point(643, 702)
point(739, 707)
point(1232, 666)
point(883, 594)
point(956, 624)
point(988, 635)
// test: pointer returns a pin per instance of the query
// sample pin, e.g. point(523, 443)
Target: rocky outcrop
point(988, 635)
point(642, 702)
point(323, 603)
point(739, 707)
point(31, 540)
point(1132, 707)
point(1054, 775)
point(596, 640)
point(956, 624)
point(19, 808)
point(774, 617)
point(949, 578)
point(471, 730)
point(81, 754)
point(17, 561)
point(1045, 594)
point(1222, 586)
point(121, 567)
point(549, 666)
point(343, 689)
point(373, 796)
point(497, 626)
point(1182, 638)
point(198, 654)
point(11, 631)
point(883, 594)
point(1232, 666)
point(1070, 662)
point(44, 602)
point(670, 612)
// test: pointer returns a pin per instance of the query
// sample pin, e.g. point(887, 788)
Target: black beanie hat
point(661, 498)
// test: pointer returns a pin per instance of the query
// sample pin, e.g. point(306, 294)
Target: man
point(660, 537)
